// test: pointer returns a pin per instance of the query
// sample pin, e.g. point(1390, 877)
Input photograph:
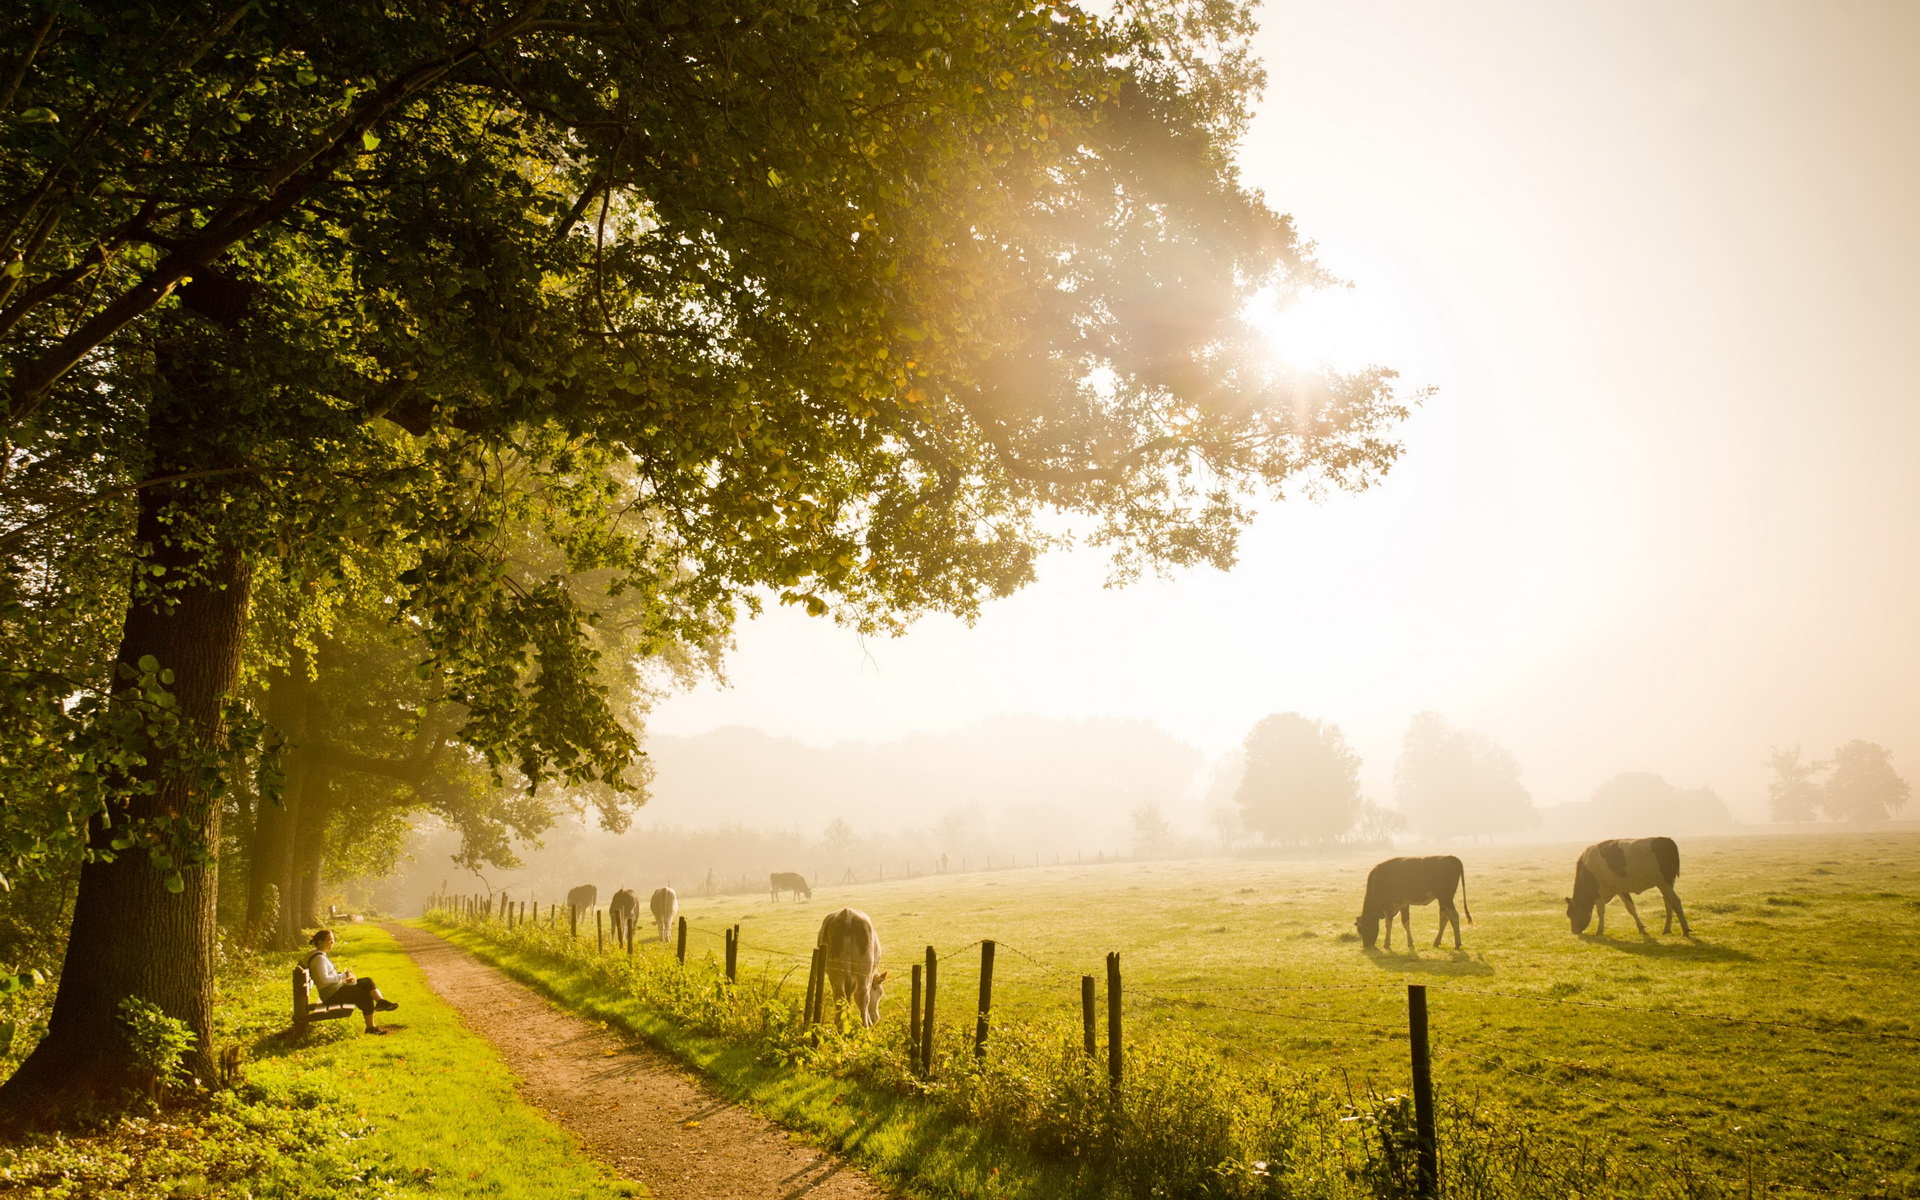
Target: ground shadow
point(1690, 950)
point(1458, 963)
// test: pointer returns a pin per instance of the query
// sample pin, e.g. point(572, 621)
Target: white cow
point(664, 905)
point(852, 952)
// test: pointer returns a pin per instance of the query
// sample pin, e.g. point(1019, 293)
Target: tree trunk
point(131, 936)
point(310, 848)
point(289, 705)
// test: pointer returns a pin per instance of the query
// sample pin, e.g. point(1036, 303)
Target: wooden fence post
point(680, 950)
point(926, 1015)
point(1114, 1052)
point(986, 1000)
point(573, 920)
point(1086, 1015)
point(733, 954)
point(599, 932)
point(913, 1017)
point(1428, 1183)
point(811, 1009)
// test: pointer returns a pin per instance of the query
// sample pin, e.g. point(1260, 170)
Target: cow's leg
point(1626, 898)
point(1600, 909)
point(1448, 913)
point(1406, 924)
point(1673, 908)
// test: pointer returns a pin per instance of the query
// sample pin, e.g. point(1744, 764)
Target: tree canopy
point(825, 304)
point(1458, 783)
point(1302, 782)
point(1862, 785)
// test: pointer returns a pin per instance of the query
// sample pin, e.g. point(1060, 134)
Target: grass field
point(1806, 942)
point(429, 1110)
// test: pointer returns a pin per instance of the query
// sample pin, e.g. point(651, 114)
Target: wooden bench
point(306, 1011)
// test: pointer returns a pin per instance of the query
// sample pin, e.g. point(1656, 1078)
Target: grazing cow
point(1620, 867)
point(583, 897)
point(664, 905)
point(1396, 885)
point(852, 953)
point(789, 881)
point(624, 911)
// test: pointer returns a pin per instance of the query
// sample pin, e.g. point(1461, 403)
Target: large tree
point(1302, 782)
point(1458, 783)
point(837, 300)
point(1863, 786)
point(1793, 794)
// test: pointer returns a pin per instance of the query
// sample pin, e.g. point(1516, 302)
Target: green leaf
point(39, 116)
point(176, 883)
point(149, 664)
point(370, 140)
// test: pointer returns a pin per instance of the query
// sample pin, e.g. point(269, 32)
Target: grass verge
point(1035, 1117)
point(429, 1110)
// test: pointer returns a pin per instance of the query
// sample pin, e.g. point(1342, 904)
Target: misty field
point(1786, 1028)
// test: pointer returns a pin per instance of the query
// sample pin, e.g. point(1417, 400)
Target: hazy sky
point(1662, 261)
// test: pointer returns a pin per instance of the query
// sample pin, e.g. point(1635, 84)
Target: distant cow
point(852, 953)
point(1620, 867)
point(1396, 885)
point(624, 911)
point(664, 905)
point(583, 897)
point(789, 881)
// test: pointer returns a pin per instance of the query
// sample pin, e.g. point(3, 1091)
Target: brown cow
point(1620, 867)
point(1396, 885)
point(624, 912)
point(789, 881)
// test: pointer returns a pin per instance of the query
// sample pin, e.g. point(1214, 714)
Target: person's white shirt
point(326, 980)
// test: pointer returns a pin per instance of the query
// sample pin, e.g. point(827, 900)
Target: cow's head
point(1579, 913)
point(1586, 890)
point(874, 989)
point(1368, 928)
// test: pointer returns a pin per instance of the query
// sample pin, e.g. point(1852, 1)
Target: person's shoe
point(385, 1005)
point(376, 1029)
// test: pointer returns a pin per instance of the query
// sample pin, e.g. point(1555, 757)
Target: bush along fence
point(1158, 1111)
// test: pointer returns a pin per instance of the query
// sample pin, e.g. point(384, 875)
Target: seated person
point(338, 987)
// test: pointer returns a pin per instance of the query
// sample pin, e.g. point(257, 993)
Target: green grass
point(1597, 1036)
point(429, 1110)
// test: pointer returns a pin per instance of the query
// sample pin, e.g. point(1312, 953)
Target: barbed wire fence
point(1457, 1037)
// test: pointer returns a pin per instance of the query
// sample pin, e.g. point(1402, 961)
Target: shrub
point(159, 1043)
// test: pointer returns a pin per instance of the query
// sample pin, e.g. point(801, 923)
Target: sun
point(1322, 329)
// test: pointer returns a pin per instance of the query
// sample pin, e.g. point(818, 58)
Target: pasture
point(1786, 1027)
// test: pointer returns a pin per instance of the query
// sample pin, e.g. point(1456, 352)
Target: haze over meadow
point(1657, 515)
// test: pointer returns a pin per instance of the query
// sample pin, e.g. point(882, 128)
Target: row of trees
point(1858, 783)
point(1301, 784)
point(396, 397)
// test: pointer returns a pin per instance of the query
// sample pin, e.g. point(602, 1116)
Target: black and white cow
point(1620, 867)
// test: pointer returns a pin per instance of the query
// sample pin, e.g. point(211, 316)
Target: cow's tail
point(1668, 856)
point(1463, 893)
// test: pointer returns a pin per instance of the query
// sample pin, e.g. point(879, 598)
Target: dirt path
point(639, 1112)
